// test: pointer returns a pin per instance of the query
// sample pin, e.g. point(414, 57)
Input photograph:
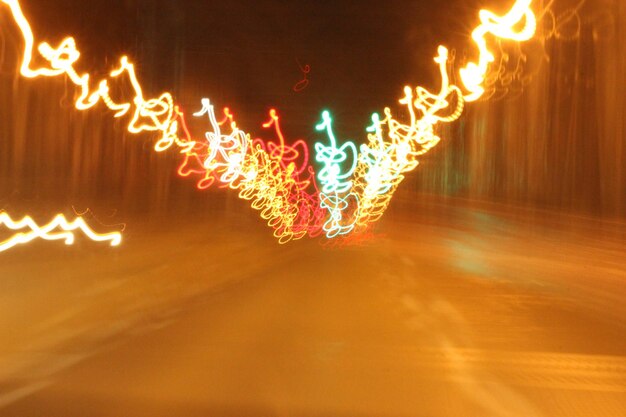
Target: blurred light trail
point(58, 229)
point(276, 177)
point(503, 27)
point(393, 147)
point(336, 183)
point(304, 82)
point(152, 115)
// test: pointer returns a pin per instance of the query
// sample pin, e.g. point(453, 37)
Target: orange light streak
point(503, 27)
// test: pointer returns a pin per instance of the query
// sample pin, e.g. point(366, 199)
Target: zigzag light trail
point(355, 188)
point(58, 229)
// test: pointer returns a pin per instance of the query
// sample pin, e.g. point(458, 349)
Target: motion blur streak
point(473, 75)
point(493, 285)
point(393, 147)
point(392, 150)
point(153, 115)
point(268, 175)
point(274, 177)
point(58, 229)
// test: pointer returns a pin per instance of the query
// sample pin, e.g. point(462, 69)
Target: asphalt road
point(449, 310)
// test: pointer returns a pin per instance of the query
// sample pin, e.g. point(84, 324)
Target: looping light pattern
point(336, 183)
point(356, 187)
point(393, 147)
point(503, 27)
point(274, 176)
point(58, 229)
point(151, 115)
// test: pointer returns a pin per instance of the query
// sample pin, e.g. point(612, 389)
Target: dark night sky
point(242, 53)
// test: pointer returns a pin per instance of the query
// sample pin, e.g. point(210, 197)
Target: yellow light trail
point(503, 27)
point(393, 147)
point(58, 229)
point(148, 115)
point(265, 174)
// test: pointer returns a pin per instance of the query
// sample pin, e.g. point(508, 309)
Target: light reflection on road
point(470, 311)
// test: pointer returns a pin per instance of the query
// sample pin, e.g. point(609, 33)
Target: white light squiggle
point(58, 229)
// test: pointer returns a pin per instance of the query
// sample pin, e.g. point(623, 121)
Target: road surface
point(449, 309)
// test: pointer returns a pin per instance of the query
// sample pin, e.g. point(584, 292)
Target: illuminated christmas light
point(58, 229)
